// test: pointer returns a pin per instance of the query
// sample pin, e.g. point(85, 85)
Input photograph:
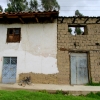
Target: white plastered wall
point(36, 51)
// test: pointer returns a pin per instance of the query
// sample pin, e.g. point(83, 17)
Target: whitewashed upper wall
point(36, 51)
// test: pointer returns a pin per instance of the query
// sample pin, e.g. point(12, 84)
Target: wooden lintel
point(21, 20)
point(5, 19)
point(73, 20)
point(36, 19)
point(51, 19)
point(98, 20)
point(62, 20)
point(86, 20)
point(78, 25)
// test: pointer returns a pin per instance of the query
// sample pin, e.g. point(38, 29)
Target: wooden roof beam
point(74, 20)
point(86, 20)
point(1, 16)
point(21, 20)
point(98, 20)
point(5, 19)
point(62, 20)
point(37, 20)
point(51, 19)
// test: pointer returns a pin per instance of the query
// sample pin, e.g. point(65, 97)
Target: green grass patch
point(29, 95)
point(93, 84)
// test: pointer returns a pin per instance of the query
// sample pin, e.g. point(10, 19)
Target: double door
point(9, 70)
point(79, 70)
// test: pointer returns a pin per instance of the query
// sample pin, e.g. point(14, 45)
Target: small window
point(77, 30)
point(13, 34)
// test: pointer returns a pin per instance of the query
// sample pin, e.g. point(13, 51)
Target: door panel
point(73, 70)
point(9, 70)
point(79, 73)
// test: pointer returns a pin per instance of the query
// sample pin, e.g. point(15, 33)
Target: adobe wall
point(61, 44)
point(67, 43)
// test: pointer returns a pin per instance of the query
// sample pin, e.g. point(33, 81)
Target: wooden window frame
point(13, 36)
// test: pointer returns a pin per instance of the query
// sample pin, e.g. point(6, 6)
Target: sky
point(68, 7)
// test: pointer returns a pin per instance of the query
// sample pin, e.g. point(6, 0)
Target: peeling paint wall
point(36, 51)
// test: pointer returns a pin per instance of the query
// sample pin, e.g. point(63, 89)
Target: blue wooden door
point(79, 71)
point(9, 70)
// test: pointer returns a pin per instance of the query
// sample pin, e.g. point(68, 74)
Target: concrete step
point(52, 88)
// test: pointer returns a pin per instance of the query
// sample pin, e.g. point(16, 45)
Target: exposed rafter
point(51, 19)
point(98, 20)
point(74, 20)
point(62, 20)
point(37, 20)
point(81, 20)
point(5, 19)
point(26, 17)
point(86, 20)
point(21, 20)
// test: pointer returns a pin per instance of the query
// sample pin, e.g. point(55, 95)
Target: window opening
point(77, 30)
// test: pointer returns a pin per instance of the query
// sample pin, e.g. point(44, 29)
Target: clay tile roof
point(28, 17)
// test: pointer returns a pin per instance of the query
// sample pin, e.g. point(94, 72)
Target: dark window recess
point(13, 34)
point(77, 30)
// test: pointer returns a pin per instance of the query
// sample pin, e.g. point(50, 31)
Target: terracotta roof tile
point(14, 17)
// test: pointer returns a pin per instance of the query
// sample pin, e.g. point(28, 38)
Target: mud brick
point(86, 42)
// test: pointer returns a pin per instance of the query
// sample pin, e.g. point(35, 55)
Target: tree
point(33, 5)
point(78, 30)
point(49, 5)
point(70, 30)
point(17, 6)
point(77, 13)
point(1, 9)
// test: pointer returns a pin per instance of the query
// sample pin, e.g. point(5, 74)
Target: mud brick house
point(28, 44)
point(78, 56)
point(39, 45)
